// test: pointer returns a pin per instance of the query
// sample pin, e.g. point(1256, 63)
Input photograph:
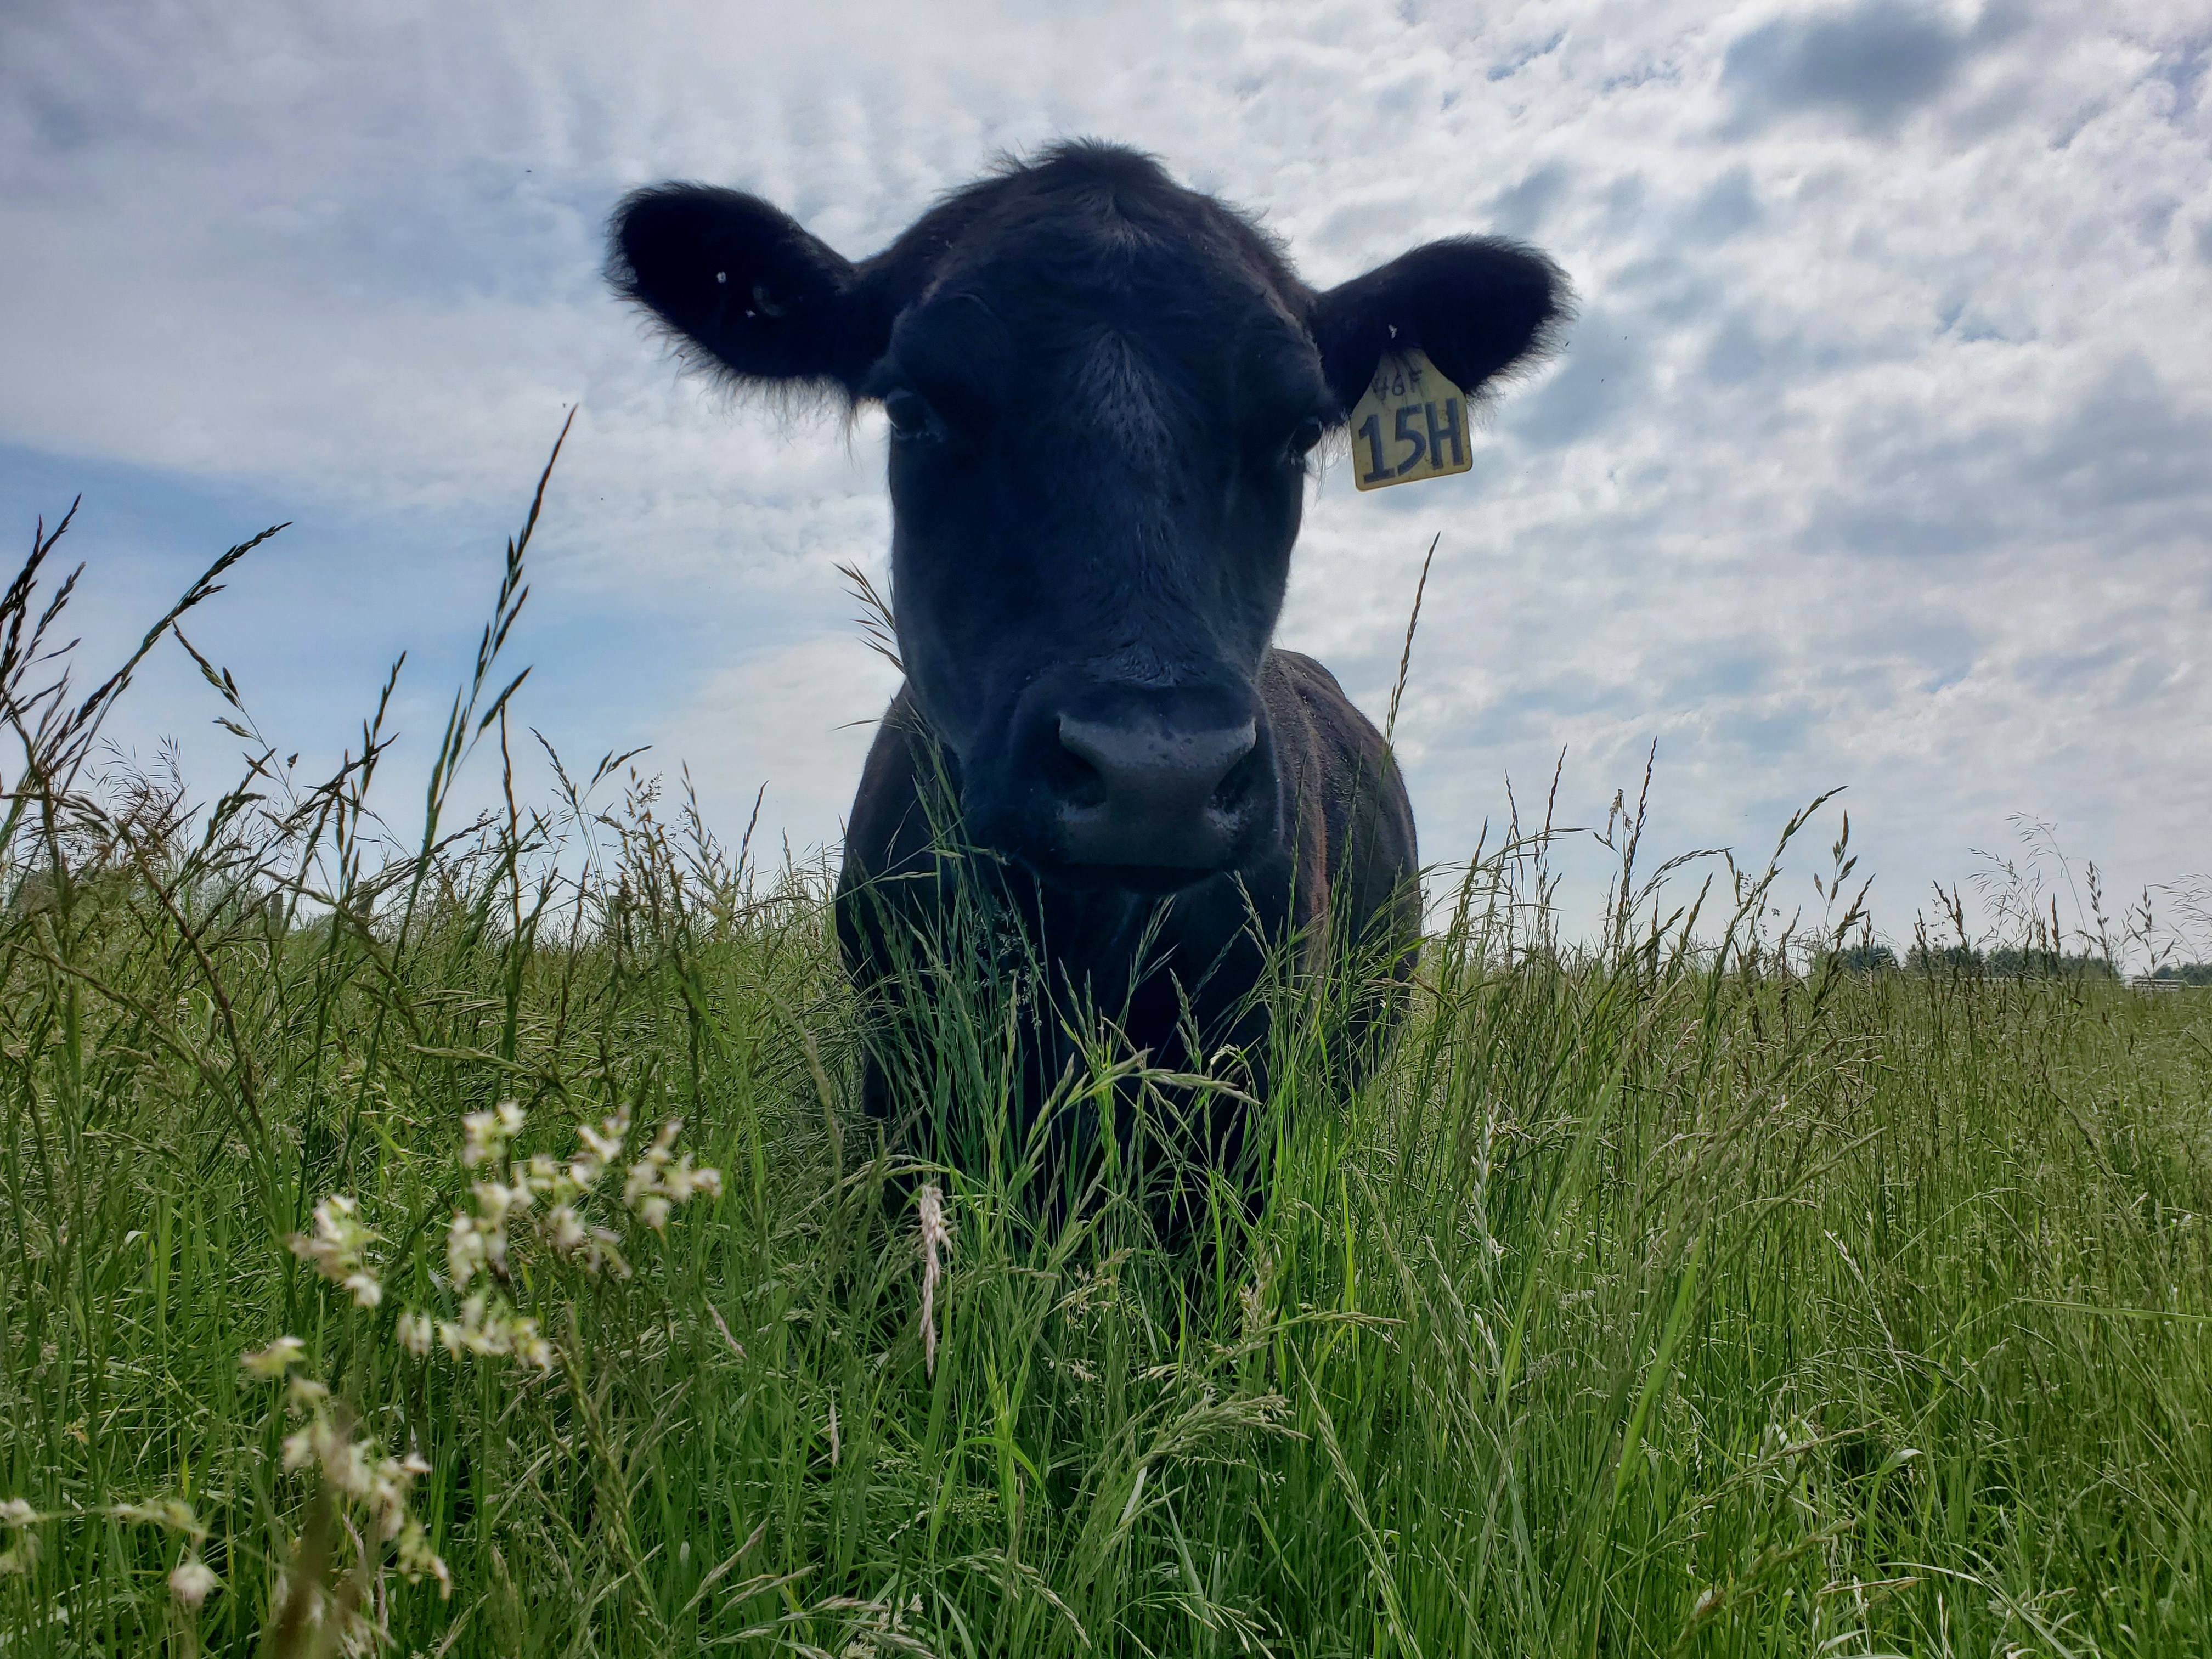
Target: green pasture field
point(1684, 1292)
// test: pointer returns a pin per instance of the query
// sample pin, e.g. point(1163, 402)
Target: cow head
point(1103, 392)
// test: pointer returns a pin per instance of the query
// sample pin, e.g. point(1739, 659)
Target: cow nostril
point(1074, 778)
point(1145, 793)
point(1235, 790)
point(1094, 765)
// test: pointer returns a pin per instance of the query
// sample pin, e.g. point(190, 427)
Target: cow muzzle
point(1140, 792)
point(1140, 787)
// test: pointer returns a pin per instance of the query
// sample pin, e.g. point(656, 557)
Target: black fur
point(1104, 388)
point(1425, 297)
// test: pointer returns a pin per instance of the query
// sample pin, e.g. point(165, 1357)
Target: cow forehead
point(1149, 381)
point(1095, 238)
point(1158, 394)
point(1045, 278)
point(1127, 399)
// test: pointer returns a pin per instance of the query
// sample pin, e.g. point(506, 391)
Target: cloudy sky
point(1881, 454)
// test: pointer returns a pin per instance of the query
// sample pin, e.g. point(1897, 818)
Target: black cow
point(1104, 393)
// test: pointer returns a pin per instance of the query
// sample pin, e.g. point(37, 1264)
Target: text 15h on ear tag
point(1410, 424)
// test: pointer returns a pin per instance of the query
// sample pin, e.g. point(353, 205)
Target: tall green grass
point(1665, 1295)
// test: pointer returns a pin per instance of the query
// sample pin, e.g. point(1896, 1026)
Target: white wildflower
point(337, 1247)
point(299, 1450)
point(192, 1581)
point(417, 1560)
point(270, 1364)
point(22, 1553)
point(487, 1328)
point(603, 1249)
point(644, 1176)
point(564, 1230)
point(660, 1180)
point(531, 1347)
point(370, 1478)
point(602, 1146)
point(465, 1249)
point(495, 1199)
point(682, 1181)
point(485, 1134)
point(481, 1235)
point(465, 1334)
point(173, 1514)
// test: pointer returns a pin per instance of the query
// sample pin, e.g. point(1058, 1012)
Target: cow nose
point(1145, 793)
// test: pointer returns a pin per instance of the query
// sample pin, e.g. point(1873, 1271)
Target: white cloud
point(795, 722)
point(1877, 458)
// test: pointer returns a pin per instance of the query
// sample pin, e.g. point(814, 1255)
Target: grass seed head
point(935, 1235)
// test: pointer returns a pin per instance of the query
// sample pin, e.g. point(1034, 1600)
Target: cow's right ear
point(746, 292)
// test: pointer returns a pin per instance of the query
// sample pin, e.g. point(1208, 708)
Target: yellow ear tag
point(1410, 424)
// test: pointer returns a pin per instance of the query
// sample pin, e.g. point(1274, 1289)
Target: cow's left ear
point(745, 289)
point(1477, 306)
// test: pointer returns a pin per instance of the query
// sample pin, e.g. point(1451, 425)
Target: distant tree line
point(2005, 961)
point(2189, 973)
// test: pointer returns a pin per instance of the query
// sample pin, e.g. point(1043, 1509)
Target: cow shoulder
point(1342, 777)
point(889, 846)
point(1339, 741)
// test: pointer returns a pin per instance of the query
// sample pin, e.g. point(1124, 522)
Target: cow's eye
point(909, 414)
point(1304, 436)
